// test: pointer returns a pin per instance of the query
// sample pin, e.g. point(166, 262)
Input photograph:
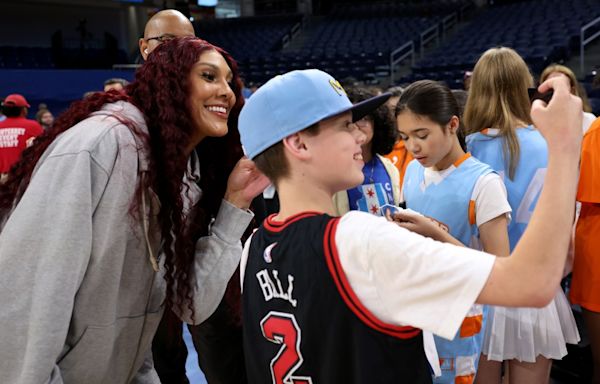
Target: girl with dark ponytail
point(447, 184)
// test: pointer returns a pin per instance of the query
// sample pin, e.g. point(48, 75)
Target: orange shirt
point(400, 157)
point(585, 288)
point(589, 178)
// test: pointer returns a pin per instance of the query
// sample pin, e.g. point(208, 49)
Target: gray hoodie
point(79, 297)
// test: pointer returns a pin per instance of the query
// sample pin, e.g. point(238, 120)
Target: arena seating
point(12, 57)
point(344, 47)
point(354, 40)
point(247, 38)
point(542, 31)
point(423, 8)
point(25, 57)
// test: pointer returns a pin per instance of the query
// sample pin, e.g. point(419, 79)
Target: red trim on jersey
point(273, 225)
point(348, 295)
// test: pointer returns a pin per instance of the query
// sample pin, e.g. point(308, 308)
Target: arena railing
point(400, 54)
point(448, 23)
point(466, 8)
point(584, 41)
point(432, 33)
point(287, 39)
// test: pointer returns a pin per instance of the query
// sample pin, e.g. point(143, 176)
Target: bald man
point(164, 26)
point(168, 348)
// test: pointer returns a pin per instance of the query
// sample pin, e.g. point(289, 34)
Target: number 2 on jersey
point(282, 328)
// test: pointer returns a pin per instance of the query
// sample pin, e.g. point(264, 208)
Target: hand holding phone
point(534, 94)
point(559, 121)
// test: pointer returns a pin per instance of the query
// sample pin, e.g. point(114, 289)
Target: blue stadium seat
point(542, 31)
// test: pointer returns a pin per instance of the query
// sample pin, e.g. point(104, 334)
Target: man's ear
point(143, 48)
point(296, 146)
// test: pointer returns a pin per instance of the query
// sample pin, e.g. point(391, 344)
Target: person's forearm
point(446, 237)
point(217, 257)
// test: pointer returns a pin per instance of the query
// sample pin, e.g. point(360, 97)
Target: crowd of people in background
point(123, 218)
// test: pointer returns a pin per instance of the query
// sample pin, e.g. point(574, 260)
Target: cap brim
point(12, 104)
point(362, 109)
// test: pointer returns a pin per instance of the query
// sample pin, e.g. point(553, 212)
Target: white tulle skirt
point(525, 333)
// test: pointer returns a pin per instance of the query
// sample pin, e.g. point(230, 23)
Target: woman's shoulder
point(105, 132)
point(530, 136)
point(488, 134)
point(594, 128)
point(474, 163)
point(588, 116)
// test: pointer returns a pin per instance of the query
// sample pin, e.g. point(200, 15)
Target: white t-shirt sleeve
point(406, 279)
point(244, 260)
point(490, 199)
point(588, 119)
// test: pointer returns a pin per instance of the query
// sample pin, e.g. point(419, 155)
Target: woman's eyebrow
point(216, 68)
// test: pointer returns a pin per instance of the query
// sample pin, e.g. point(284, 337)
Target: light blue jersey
point(449, 202)
point(525, 188)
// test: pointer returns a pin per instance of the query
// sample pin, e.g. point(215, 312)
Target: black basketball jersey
point(304, 324)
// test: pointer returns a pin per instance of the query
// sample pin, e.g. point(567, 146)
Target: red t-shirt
point(14, 133)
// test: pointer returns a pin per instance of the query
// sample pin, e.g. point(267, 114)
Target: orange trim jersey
point(585, 287)
point(303, 322)
point(525, 188)
point(449, 202)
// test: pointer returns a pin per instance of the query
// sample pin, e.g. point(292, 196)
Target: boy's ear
point(295, 145)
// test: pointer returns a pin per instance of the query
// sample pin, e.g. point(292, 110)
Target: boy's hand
point(420, 224)
point(559, 121)
point(245, 183)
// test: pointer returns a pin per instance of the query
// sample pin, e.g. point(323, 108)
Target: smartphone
point(534, 94)
point(392, 208)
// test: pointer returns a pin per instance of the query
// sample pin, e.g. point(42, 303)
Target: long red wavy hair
point(160, 90)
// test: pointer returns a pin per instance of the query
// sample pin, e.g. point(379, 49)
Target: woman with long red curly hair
point(106, 218)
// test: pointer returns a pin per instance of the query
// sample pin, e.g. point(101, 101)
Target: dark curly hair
point(160, 90)
point(385, 134)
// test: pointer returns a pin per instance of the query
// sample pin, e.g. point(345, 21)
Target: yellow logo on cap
point(337, 87)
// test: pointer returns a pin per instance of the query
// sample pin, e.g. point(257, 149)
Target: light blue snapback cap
point(291, 102)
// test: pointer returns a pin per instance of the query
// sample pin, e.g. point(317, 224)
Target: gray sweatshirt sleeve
point(147, 374)
point(45, 247)
point(217, 257)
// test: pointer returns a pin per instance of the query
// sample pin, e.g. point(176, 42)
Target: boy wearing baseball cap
point(343, 299)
